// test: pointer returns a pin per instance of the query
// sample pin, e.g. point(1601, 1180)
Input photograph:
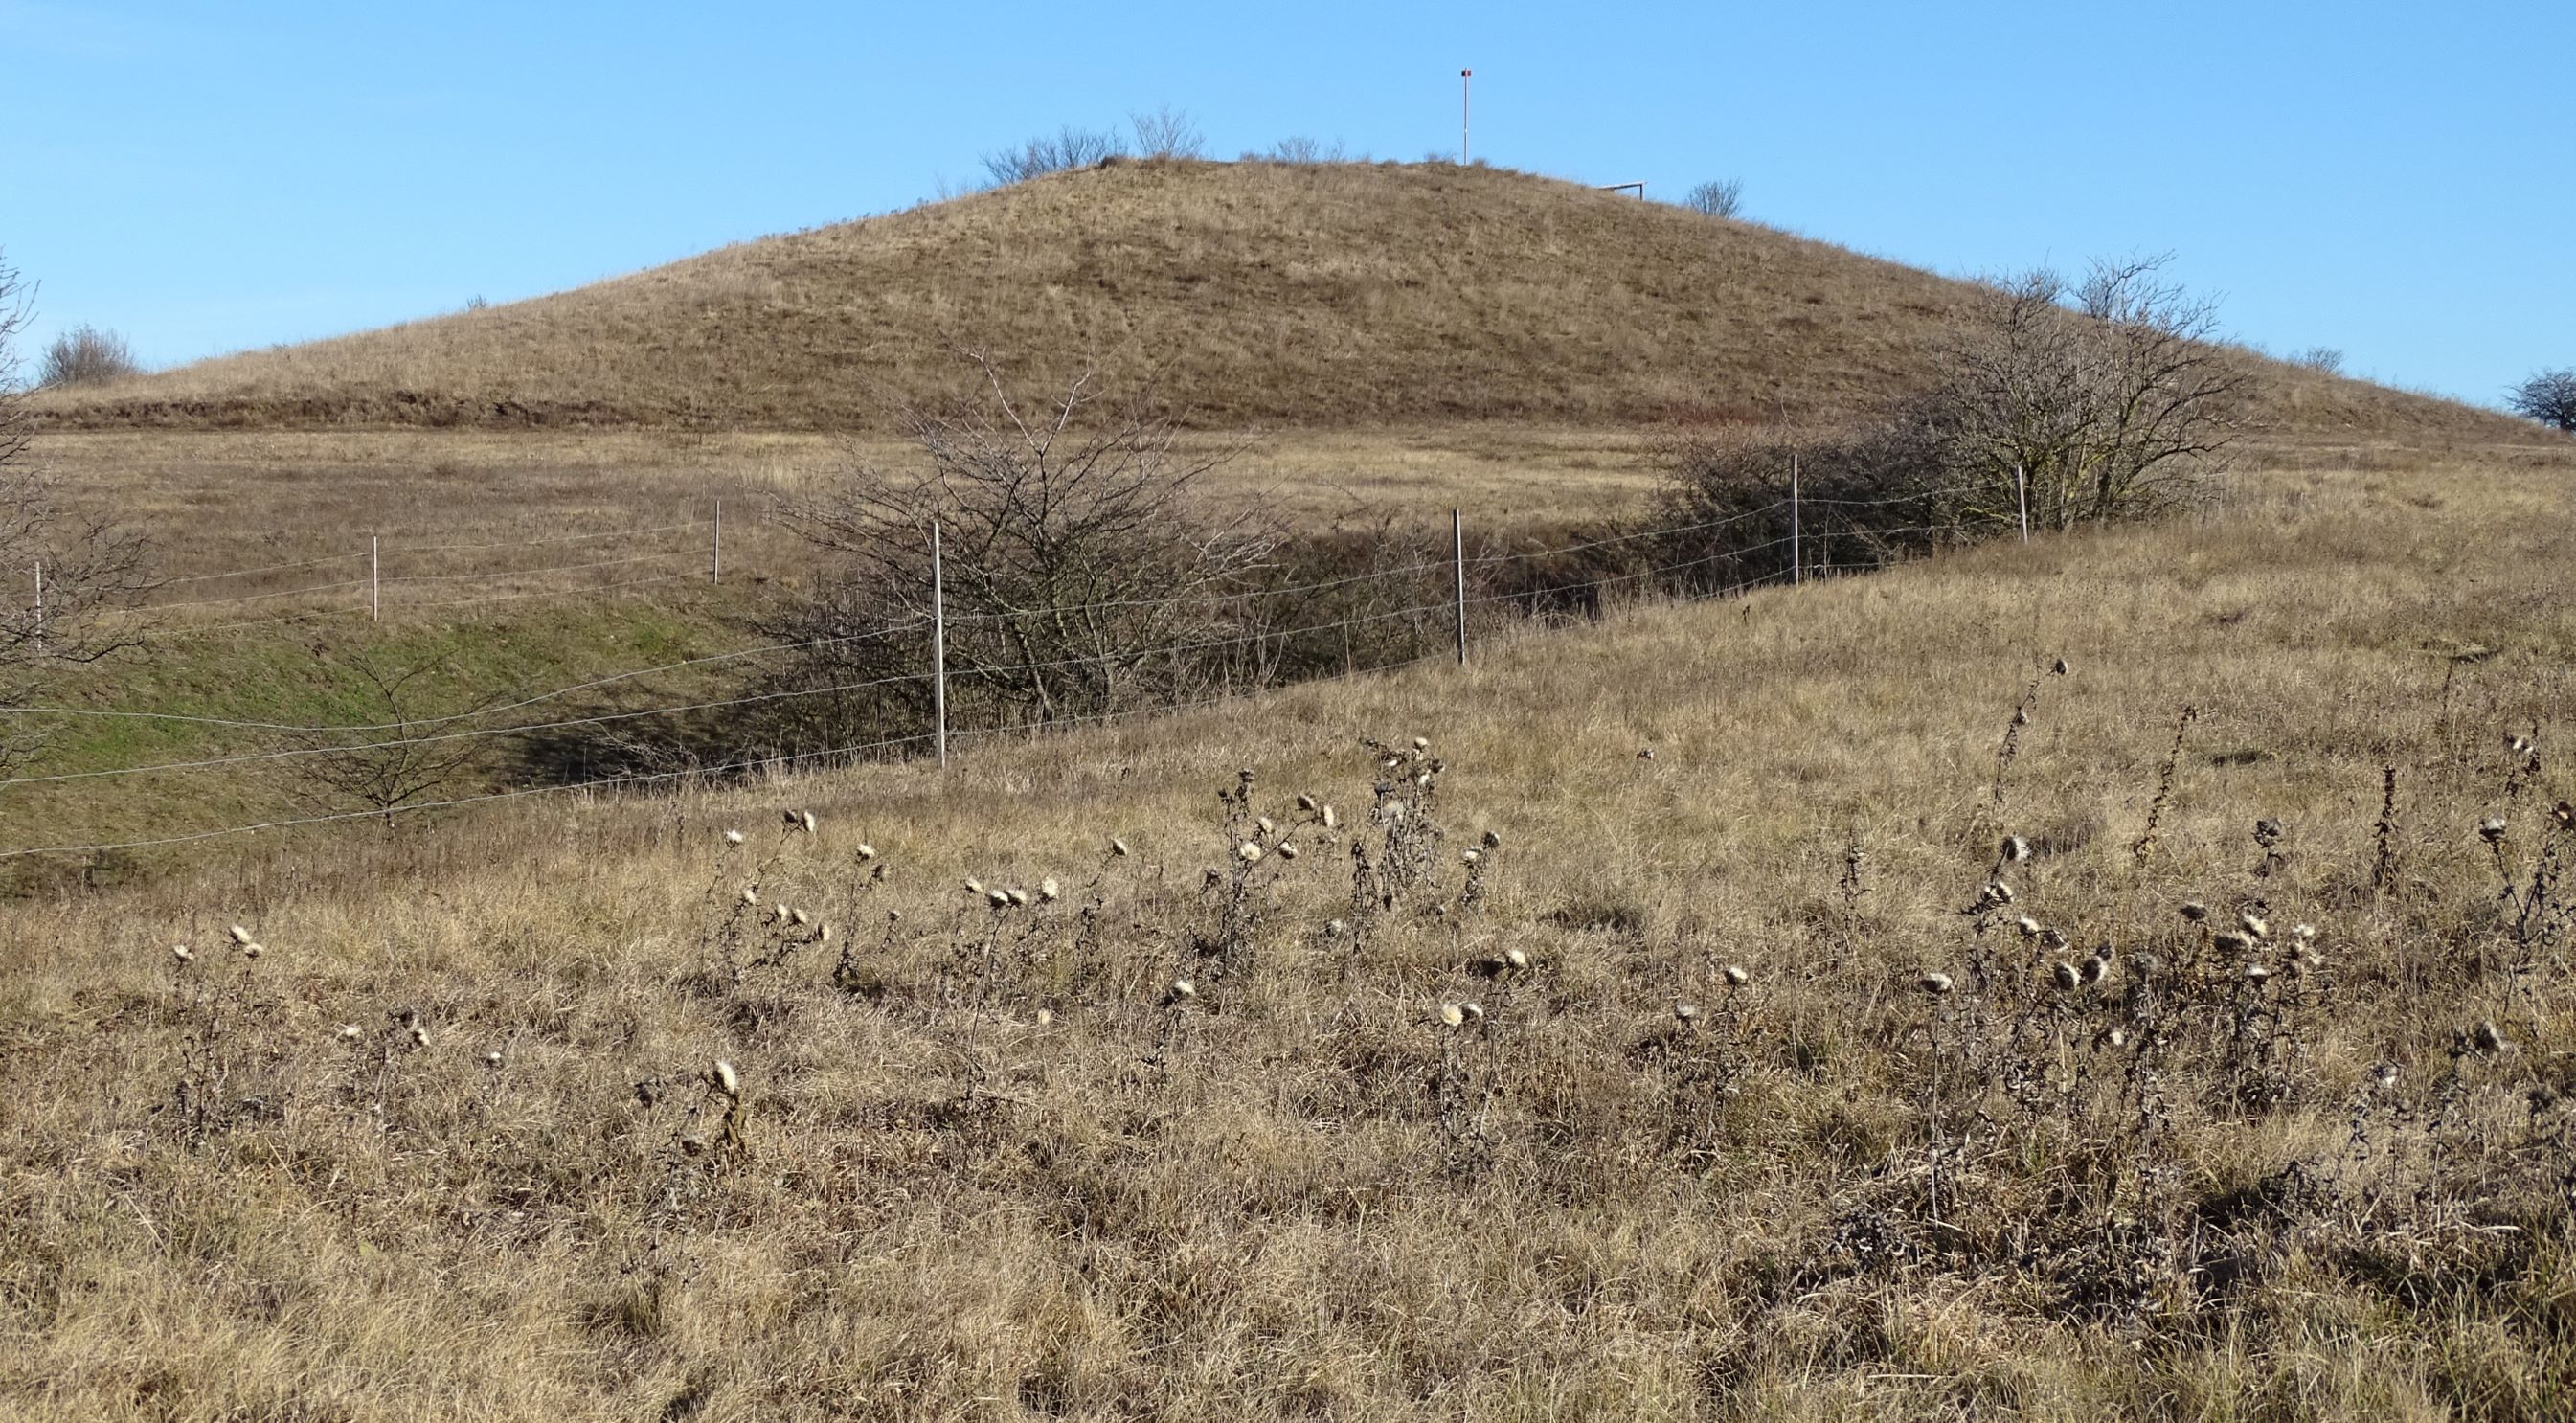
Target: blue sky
point(2385, 179)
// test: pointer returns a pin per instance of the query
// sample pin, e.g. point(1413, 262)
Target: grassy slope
point(1331, 295)
point(1250, 1208)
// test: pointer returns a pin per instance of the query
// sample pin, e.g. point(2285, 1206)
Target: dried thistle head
point(349, 1032)
point(2015, 850)
point(1287, 851)
point(1118, 847)
point(2194, 910)
point(1685, 1010)
point(733, 837)
point(1248, 852)
point(2491, 829)
point(2227, 941)
point(240, 934)
point(867, 851)
point(724, 1079)
point(2066, 977)
point(999, 899)
point(183, 953)
point(1019, 898)
point(2254, 924)
point(1049, 890)
point(1493, 841)
point(1935, 984)
point(1517, 958)
point(1735, 975)
point(1452, 1015)
point(750, 895)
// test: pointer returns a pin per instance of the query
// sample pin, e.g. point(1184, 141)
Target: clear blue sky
point(2385, 178)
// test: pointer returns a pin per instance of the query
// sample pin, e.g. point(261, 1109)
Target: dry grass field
point(572, 1109)
point(1338, 296)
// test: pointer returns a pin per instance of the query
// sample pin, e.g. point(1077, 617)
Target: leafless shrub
point(1166, 132)
point(1086, 571)
point(2115, 409)
point(1719, 197)
point(86, 355)
point(2548, 397)
point(2327, 359)
point(74, 572)
point(413, 756)
point(1070, 147)
point(1300, 149)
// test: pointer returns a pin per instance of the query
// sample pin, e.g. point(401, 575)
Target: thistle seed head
point(1452, 1015)
point(867, 851)
point(419, 1036)
point(974, 886)
point(1493, 841)
point(2194, 910)
point(2015, 850)
point(182, 953)
point(733, 837)
point(1306, 803)
point(240, 934)
point(1183, 988)
point(750, 895)
point(802, 918)
point(1517, 958)
point(1248, 852)
point(2486, 1037)
point(1264, 823)
point(1421, 743)
point(348, 1033)
point(1118, 847)
point(2256, 973)
point(1735, 975)
point(1685, 1010)
point(2028, 926)
point(1332, 818)
point(1019, 898)
point(2067, 979)
point(1935, 984)
point(725, 1079)
point(2096, 969)
point(2491, 829)
point(1287, 851)
point(2253, 924)
point(1475, 1012)
point(2230, 942)
point(1470, 856)
point(999, 899)
point(1049, 890)
point(492, 1058)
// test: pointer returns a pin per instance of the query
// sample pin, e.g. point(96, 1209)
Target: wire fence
point(1703, 540)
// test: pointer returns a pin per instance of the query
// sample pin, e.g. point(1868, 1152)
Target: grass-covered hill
point(1319, 295)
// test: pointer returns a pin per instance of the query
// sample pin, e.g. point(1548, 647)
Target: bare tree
point(410, 757)
point(1720, 197)
point(1069, 148)
point(2325, 359)
point(1085, 568)
point(86, 355)
point(2115, 408)
point(1167, 132)
point(2549, 397)
point(71, 573)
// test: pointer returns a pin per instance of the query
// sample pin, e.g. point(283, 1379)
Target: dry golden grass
point(1294, 1193)
point(1336, 295)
